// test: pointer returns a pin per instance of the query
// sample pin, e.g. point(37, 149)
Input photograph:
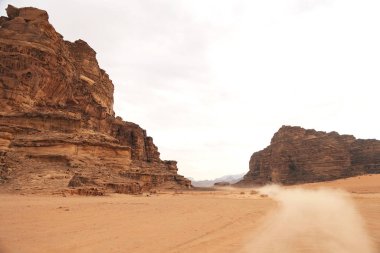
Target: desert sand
point(225, 220)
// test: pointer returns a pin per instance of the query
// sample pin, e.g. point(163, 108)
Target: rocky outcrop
point(298, 155)
point(222, 184)
point(57, 123)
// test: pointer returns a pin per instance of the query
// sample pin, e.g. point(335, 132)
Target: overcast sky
point(212, 81)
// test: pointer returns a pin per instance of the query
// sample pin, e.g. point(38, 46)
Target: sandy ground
point(219, 221)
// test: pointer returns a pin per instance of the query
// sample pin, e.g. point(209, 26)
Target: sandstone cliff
point(57, 124)
point(298, 155)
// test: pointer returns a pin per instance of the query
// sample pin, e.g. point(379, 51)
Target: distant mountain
point(208, 183)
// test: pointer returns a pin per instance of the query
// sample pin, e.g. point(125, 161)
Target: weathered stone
point(77, 181)
point(298, 155)
point(3, 20)
point(222, 184)
point(30, 13)
point(127, 188)
point(89, 191)
point(12, 11)
point(57, 123)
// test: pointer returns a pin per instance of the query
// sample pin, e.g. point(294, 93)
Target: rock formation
point(222, 184)
point(298, 155)
point(57, 124)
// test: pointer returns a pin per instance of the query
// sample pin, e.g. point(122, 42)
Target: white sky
point(212, 81)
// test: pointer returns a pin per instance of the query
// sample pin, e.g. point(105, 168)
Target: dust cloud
point(322, 220)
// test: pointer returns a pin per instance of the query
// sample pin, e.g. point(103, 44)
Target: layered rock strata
point(57, 122)
point(298, 155)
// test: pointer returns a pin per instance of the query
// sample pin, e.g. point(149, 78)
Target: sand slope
point(221, 221)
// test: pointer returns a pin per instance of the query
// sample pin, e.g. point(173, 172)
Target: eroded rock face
point(298, 155)
point(56, 116)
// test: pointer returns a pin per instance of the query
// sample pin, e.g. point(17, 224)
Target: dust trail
point(311, 221)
